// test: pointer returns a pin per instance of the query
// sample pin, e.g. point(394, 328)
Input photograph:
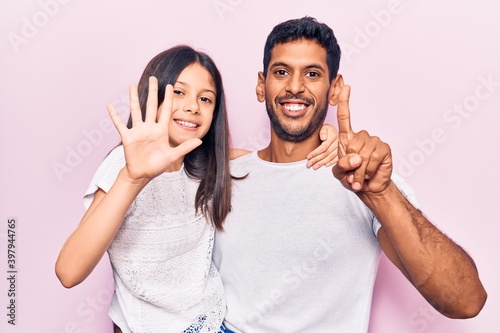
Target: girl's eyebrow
point(204, 90)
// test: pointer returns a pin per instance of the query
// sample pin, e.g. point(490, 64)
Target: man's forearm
point(440, 269)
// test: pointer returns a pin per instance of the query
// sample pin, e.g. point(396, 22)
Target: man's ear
point(333, 93)
point(261, 85)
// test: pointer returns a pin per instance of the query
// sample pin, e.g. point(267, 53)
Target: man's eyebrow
point(316, 66)
point(282, 64)
point(279, 64)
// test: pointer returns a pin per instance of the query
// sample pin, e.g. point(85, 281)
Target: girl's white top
point(161, 257)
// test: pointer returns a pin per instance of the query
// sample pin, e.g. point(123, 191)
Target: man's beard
point(296, 134)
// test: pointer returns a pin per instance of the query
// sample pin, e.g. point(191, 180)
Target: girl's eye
point(178, 92)
point(206, 99)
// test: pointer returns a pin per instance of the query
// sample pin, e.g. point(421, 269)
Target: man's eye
point(312, 74)
point(281, 72)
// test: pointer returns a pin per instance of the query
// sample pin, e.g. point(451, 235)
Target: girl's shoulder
point(106, 174)
point(236, 152)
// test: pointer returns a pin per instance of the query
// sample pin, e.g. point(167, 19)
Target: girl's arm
point(85, 247)
point(147, 155)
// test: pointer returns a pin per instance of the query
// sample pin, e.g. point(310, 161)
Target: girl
point(149, 201)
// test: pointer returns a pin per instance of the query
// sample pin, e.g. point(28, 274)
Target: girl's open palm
point(147, 149)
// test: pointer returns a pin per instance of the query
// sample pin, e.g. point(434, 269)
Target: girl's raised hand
point(326, 153)
point(147, 149)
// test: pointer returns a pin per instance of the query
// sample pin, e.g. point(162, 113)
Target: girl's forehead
point(196, 75)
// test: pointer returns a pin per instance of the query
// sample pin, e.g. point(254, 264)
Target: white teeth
point(294, 107)
point(185, 123)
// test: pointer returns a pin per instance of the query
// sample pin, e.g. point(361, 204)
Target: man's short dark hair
point(305, 28)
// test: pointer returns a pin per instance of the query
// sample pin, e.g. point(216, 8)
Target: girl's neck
point(175, 165)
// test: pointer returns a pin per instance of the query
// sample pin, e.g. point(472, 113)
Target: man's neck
point(281, 151)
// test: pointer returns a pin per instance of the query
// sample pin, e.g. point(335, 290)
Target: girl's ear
point(333, 94)
point(261, 85)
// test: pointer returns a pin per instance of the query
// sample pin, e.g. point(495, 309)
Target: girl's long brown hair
point(208, 163)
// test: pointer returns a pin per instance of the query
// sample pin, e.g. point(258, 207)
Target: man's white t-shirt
point(298, 253)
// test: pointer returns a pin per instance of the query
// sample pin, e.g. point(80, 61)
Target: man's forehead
point(298, 52)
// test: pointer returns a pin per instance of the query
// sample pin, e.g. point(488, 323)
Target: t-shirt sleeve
point(406, 190)
point(105, 175)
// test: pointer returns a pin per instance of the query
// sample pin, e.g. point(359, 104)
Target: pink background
point(412, 65)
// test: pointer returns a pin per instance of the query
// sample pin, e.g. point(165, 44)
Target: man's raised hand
point(365, 162)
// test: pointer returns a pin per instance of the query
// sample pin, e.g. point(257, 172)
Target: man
point(301, 247)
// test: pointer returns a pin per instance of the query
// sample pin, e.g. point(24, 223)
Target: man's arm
point(440, 269)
